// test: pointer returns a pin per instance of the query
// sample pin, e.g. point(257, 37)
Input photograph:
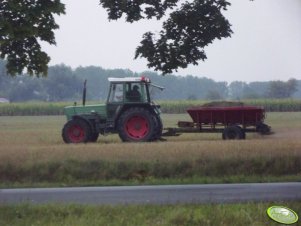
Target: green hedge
point(178, 106)
point(39, 108)
point(271, 105)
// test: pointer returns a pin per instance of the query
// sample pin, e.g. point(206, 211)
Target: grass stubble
point(33, 154)
point(251, 214)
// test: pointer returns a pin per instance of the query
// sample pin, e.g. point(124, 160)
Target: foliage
point(190, 27)
point(185, 35)
point(251, 214)
point(270, 105)
point(22, 25)
point(280, 89)
point(272, 89)
point(75, 172)
point(65, 84)
point(61, 84)
point(134, 9)
point(33, 108)
point(213, 95)
point(173, 107)
point(187, 31)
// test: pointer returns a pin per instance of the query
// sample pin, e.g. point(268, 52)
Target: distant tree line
point(65, 84)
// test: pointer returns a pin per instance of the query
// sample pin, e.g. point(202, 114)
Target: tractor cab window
point(116, 93)
point(136, 92)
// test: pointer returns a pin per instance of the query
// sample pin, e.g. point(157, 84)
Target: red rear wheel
point(136, 124)
point(137, 127)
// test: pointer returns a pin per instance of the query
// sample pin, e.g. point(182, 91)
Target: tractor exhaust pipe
point(84, 92)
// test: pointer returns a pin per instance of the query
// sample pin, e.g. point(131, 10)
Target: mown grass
point(32, 153)
point(176, 215)
point(175, 107)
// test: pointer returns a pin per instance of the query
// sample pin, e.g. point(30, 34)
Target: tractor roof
point(130, 79)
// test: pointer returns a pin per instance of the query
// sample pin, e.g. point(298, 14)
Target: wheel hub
point(137, 127)
point(76, 133)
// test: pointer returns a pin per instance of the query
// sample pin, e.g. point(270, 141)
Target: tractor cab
point(129, 90)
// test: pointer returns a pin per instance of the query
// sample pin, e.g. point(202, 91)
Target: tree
point(187, 31)
point(26, 88)
point(22, 24)
point(61, 84)
point(236, 90)
point(213, 95)
point(4, 80)
point(189, 28)
point(280, 89)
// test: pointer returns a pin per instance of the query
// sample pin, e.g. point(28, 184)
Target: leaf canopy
point(189, 28)
point(23, 23)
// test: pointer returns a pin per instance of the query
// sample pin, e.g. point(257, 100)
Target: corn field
point(174, 107)
point(270, 105)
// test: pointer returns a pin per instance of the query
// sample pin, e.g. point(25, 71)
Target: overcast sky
point(266, 44)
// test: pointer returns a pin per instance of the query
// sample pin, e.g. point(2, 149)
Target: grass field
point(175, 215)
point(33, 154)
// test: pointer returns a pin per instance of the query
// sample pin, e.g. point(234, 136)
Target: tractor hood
point(71, 111)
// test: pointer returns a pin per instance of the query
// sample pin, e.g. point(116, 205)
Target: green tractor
point(128, 111)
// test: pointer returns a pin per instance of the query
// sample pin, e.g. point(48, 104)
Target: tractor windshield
point(136, 92)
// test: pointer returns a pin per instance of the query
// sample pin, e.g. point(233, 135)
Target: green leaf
point(22, 24)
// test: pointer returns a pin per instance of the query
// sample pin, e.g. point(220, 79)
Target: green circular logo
point(282, 215)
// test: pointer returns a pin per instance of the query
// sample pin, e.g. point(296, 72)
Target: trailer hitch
point(170, 132)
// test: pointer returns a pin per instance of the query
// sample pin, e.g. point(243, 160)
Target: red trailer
point(232, 122)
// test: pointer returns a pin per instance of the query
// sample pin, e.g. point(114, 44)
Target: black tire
point(243, 132)
point(76, 131)
point(233, 133)
point(158, 128)
point(136, 125)
point(263, 129)
point(94, 137)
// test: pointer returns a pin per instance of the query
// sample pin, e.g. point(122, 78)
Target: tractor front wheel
point(76, 131)
point(136, 124)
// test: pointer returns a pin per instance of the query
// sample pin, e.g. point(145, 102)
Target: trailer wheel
point(136, 124)
point(264, 129)
point(233, 133)
point(243, 132)
point(76, 131)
